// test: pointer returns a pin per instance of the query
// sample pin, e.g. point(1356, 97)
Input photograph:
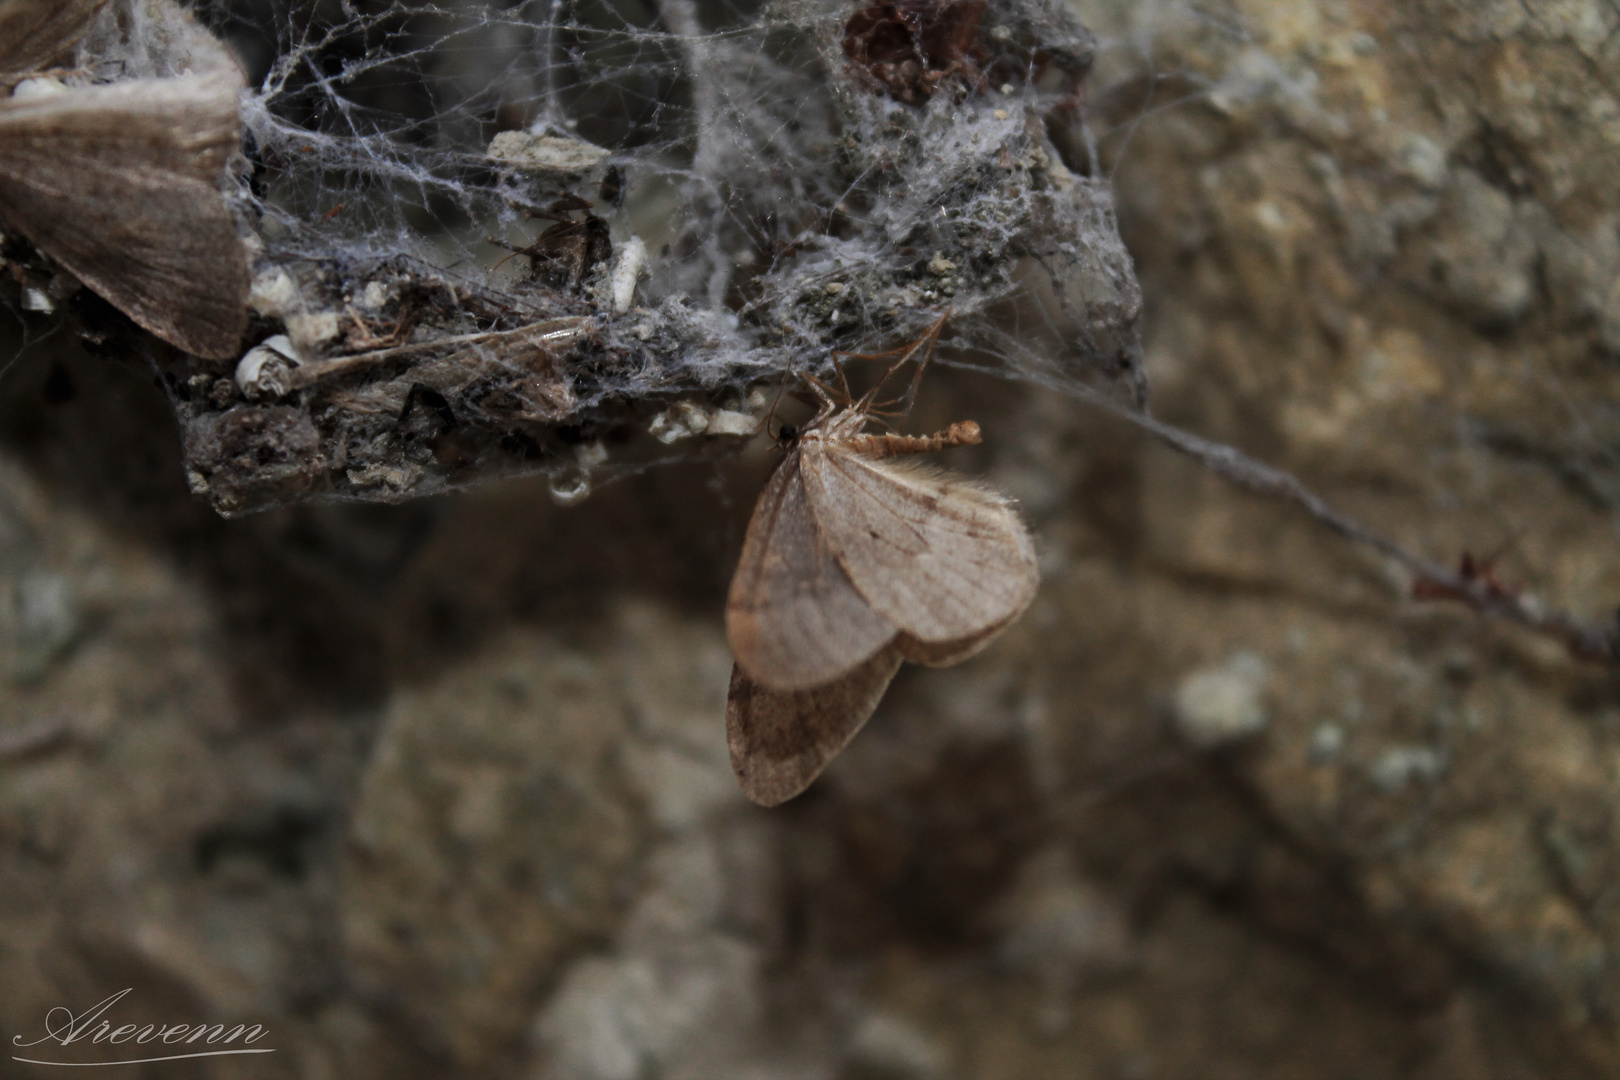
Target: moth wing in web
point(120, 184)
point(941, 558)
point(793, 617)
point(780, 742)
point(36, 33)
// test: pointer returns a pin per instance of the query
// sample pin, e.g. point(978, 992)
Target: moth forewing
point(36, 33)
point(794, 619)
point(120, 184)
point(944, 560)
point(780, 742)
point(946, 653)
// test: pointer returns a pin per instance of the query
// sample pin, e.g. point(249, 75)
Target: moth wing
point(946, 653)
point(34, 33)
point(120, 184)
point(794, 619)
point(946, 561)
point(781, 741)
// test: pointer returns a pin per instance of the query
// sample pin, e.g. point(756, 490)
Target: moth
point(36, 33)
point(119, 183)
point(856, 559)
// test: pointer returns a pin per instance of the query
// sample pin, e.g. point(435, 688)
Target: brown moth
point(120, 184)
point(854, 561)
point(36, 33)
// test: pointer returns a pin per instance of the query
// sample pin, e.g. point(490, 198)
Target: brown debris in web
point(909, 47)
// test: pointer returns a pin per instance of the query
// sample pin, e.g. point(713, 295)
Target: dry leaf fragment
point(36, 33)
point(120, 184)
point(854, 561)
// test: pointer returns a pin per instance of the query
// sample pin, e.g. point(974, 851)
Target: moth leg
point(926, 343)
point(868, 403)
point(824, 393)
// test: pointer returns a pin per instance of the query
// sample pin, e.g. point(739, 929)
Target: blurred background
point(441, 789)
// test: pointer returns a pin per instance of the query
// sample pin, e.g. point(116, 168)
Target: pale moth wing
point(855, 561)
point(943, 559)
point(946, 653)
point(780, 742)
point(120, 184)
point(793, 618)
point(35, 33)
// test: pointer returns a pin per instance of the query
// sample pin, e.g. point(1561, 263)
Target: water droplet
point(570, 488)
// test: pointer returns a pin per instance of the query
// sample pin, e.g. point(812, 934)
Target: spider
point(565, 254)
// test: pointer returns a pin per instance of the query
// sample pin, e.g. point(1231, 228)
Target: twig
point(553, 333)
point(1430, 580)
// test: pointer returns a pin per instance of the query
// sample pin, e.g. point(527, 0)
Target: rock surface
point(441, 789)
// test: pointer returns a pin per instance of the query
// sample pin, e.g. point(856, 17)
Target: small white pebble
point(46, 609)
point(1423, 159)
point(1326, 743)
point(1221, 703)
point(940, 265)
point(41, 87)
point(37, 299)
point(1401, 765)
point(892, 1046)
point(833, 288)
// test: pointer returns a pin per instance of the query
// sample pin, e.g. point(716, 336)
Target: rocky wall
point(440, 790)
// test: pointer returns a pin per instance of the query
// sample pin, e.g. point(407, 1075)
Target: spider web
point(776, 181)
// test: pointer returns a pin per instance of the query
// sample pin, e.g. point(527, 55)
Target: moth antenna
point(961, 433)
